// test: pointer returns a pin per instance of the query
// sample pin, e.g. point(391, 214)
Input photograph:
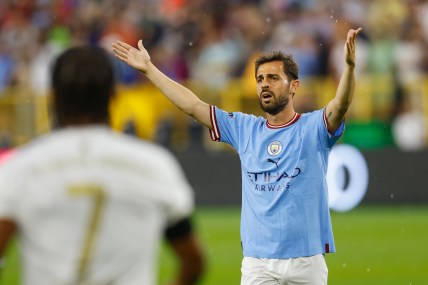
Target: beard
point(275, 106)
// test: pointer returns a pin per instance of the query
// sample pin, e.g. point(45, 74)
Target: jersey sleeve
point(179, 195)
point(328, 139)
point(226, 126)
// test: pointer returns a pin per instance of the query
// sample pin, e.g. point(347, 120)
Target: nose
point(263, 84)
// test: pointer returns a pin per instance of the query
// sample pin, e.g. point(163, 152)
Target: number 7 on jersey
point(98, 198)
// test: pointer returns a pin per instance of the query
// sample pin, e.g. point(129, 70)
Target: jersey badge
point(274, 148)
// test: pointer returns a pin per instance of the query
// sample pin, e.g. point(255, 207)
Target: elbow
point(190, 108)
point(341, 111)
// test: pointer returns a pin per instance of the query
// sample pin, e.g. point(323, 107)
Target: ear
point(294, 85)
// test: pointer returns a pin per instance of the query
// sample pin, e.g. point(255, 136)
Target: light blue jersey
point(285, 210)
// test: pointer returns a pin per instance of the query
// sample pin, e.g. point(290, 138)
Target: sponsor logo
point(273, 181)
point(270, 177)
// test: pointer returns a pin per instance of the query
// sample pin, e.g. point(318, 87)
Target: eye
point(259, 79)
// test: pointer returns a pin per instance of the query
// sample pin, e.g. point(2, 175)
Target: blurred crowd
point(215, 41)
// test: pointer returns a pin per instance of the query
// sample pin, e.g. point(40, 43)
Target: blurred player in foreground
point(88, 205)
point(285, 219)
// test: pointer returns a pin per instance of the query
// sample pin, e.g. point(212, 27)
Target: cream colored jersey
point(91, 206)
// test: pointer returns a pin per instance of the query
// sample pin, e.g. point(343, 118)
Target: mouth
point(266, 95)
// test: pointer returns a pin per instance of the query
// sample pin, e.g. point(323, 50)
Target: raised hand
point(349, 47)
point(137, 58)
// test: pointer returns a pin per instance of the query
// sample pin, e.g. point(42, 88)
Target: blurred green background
point(375, 245)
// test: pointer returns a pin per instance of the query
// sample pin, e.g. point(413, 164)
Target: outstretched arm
point(182, 97)
point(336, 109)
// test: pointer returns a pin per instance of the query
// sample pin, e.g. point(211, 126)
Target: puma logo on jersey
point(273, 161)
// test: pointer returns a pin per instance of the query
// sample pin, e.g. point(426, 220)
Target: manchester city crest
point(274, 148)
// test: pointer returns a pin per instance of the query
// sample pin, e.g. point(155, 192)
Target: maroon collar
point(292, 121)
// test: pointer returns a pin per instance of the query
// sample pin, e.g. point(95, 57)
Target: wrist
point(150, 67)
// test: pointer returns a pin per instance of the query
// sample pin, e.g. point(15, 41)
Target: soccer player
point(88, 205)
point(285, 220)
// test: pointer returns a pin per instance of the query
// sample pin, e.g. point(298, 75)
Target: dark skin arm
point(190, 259)
point(7, 231)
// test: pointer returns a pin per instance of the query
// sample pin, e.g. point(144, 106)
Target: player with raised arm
point(285, 220)
point(89, 205)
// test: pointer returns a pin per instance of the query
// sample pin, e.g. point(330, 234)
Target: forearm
point(338, 107)
point(188, 251)
point(188, 274)
point(345, 90)
point(179, 95)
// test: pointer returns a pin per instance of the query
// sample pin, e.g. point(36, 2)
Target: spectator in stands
point(175, 33)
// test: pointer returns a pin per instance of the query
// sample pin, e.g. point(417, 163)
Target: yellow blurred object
point(143, 108)
point(137, 105)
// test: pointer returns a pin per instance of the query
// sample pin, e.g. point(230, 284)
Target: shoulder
point(22, 155)
point(155, 159)
point(313, 114)
point(313, 117)
point(90, 143)
point(238, 116)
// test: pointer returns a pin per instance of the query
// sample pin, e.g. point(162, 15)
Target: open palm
point(349, 47)
point(137, 58)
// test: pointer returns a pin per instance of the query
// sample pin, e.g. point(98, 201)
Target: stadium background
point(210, 46)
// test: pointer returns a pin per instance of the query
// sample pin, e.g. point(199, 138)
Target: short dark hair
point(291, 69)
point(83, 83)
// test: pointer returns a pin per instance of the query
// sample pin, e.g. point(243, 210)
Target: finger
point(352, 41)
point(350, 48)
point(349, 38)
point(124, 47)
point(356, 32)
point(120, 52)
point(352, 34)
point(117, 49)
point(350, 55)
point(140, 44)
point(121, 57)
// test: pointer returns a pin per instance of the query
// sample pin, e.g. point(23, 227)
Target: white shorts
point(310, 270)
